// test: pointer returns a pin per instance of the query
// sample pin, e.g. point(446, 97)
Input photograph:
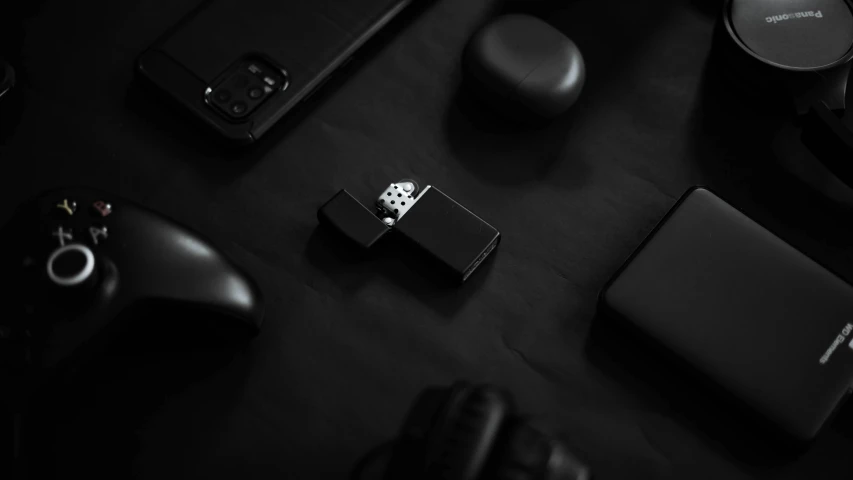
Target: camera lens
point(238, 108)
point(256, 93)
point(222, 96)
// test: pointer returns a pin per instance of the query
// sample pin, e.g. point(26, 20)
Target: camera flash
point(267, 89)
point(269, 81)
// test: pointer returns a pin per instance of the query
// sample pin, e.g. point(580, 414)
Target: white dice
point(397, 199)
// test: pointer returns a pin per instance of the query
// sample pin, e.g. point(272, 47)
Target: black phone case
point(306, 40)
point(743, 309)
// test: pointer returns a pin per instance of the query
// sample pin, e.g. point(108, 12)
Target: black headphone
point(468, 432)
point(797, 53)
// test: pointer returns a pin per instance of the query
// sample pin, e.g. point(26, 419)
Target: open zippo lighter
point(453, 236)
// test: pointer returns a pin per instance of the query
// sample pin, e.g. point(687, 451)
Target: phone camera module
point(256, 93)
point(222, 96)
point(244, 87)
point(240, 81)
point(238, 108)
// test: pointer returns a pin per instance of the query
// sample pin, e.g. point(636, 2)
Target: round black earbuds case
point(524, 67)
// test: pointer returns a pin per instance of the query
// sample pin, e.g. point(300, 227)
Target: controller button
point(101, 208)
point(63, 235)
point(98, 233)
point(71, 265)
point(65, 208)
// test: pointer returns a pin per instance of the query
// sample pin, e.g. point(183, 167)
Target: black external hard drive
point(756, 316)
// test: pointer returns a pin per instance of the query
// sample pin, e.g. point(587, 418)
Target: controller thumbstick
point(72, 267)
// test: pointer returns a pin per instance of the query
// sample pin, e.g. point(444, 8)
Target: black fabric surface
point(349, 341)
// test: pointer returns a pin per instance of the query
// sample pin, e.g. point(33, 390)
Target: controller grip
point(163, 261)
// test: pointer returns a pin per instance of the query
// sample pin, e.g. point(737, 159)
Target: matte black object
point(471, 432)
point(456, 240)
point(748, 311)
point(352, 219)
point(795, 55)
point(241, 65)
point(525, 65)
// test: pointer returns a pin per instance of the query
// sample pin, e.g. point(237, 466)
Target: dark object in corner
point(795, 61)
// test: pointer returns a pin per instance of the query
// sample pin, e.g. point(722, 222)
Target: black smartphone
point(241, 65)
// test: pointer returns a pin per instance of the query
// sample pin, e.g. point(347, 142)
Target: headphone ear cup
point(409, 458)
point(465, 436)
point(522, 454)
point(525, 453)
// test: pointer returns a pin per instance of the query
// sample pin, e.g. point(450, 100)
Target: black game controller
point(77, 263)
point(76, 259)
